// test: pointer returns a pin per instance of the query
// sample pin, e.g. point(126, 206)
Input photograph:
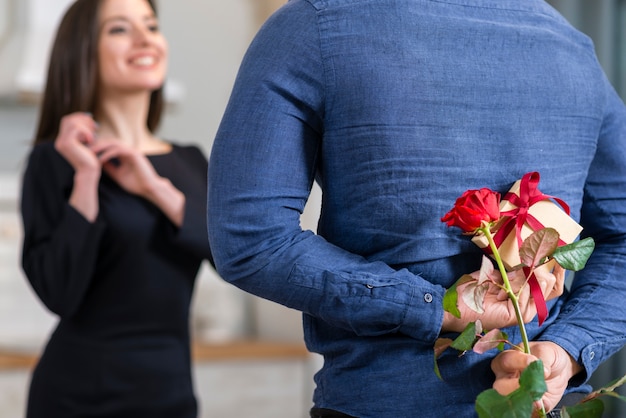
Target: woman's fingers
point(76, 132)
point(106, 151)
point(78, 126)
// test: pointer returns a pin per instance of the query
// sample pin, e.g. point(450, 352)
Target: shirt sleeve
point(60, 246)
point(263, 163)
point(592, 323)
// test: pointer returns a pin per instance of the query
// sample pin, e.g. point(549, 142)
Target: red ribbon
point(529, 194)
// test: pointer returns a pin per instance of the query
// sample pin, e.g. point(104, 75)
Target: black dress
point(122, 288)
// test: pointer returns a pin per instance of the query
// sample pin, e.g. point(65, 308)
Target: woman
point(114, 223)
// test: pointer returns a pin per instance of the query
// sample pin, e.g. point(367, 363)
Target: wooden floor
point(260, 379)
point(201, 352)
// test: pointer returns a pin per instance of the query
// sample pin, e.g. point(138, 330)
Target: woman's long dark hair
point(72, 83)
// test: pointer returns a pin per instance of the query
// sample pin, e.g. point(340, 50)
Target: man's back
point(396, 108)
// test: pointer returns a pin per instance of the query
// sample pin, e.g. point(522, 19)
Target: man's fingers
point(511, 361)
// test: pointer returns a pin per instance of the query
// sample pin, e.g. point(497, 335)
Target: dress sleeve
point(192, 234)
point(592, 323)
point(263, 163)
point(60, 246)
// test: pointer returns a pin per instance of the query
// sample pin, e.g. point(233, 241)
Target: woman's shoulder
point(43, 149)
point(46, 168)
point(45, 156)
point(188, 151)
point(186, 147)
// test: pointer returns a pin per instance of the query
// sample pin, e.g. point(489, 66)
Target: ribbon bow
point(529, 194)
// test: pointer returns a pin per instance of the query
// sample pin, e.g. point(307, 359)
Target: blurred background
point(249, 358)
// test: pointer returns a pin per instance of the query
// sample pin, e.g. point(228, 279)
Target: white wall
point(38, 29)
point(12, 23)
point(207, 41)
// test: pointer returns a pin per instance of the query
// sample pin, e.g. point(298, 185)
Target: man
point(396, 108)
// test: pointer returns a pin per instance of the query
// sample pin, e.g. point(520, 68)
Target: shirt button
point(592, 355)
point(428, 298)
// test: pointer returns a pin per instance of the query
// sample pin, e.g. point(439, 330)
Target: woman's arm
point(60, 245)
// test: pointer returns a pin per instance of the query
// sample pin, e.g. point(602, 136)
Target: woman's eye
point(117, 29)
point(153, 28)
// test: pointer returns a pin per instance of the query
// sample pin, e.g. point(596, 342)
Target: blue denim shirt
point(396, 108)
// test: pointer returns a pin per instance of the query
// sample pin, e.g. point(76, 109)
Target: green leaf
point(441, 345)
point(517, 404)
point(533, 381)
point(609, 390)
point(451, 297)
point(437, 372)
point(613, 385)
point(505, 336)
point(592, 405)
point(486, 270)
point(589, 409)
point(474, 293)
point(539, 245)
point(616, 395)
point(493, 339)
point(474, 297)
point(574, 256)
point(466, 340)
point(490, 404)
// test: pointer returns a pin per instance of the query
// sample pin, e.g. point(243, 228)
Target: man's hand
point(498, 308)
point(559, 368)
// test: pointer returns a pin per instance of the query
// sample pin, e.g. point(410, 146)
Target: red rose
point(472, 208)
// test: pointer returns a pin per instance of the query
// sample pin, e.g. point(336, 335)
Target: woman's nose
point(141, 36)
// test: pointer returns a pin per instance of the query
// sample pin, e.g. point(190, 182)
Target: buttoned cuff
point(424, 316)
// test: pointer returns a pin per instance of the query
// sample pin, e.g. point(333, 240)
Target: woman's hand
point(133, 172)
point(128, 167)
point(77, 133)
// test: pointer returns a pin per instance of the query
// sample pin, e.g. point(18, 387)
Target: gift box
point(537, 210)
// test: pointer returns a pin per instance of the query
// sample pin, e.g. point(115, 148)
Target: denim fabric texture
point(396, 107)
